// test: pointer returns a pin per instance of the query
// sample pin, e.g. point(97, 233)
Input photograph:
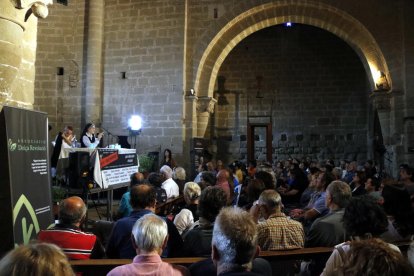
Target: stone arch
point(218, 45)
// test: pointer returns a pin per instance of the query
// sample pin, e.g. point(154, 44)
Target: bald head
point(72, 210)
point(137, 178)
point(143, 196)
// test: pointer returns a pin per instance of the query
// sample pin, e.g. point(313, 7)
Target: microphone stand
point(110, 135)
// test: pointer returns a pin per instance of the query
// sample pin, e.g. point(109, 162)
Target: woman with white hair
point(187, 216)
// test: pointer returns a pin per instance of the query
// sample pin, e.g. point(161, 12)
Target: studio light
point(135, 123)
point(135, 127)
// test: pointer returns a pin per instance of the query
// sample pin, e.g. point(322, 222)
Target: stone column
point(18, 41)
point(205, 106)
point(94, 67)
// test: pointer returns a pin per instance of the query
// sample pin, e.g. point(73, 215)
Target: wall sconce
point(191, 92)
point(381, 82)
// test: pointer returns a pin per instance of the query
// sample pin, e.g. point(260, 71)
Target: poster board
point(25, 194)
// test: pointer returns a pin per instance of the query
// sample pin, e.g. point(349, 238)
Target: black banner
point(117, 165)
point(25, 196)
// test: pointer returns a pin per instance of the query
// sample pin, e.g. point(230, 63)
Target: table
point(112, 169)
point(111, 166)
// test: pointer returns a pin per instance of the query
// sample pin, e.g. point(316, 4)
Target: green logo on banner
point(27, 230)
point(12, 146)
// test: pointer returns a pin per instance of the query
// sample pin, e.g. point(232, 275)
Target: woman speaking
point(88, 138)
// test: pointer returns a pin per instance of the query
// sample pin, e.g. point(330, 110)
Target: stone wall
point(143, 70)
point(59, 65)
point(314, 88)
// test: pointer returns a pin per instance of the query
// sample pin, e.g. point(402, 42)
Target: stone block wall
point(143, 70)
point(314, 88)
point(59, 65)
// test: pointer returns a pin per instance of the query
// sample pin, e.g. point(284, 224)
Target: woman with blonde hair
point(187, 216)
point(36, 259)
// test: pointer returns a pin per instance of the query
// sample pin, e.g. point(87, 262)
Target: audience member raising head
point(150, 236)
point(197, 241)
point(234, 243)
point(35, 259)
point(169, 184)
point(67, 233)
point(187, 216)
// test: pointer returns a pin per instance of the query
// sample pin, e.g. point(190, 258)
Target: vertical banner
point(199, 145)
point(25, 196)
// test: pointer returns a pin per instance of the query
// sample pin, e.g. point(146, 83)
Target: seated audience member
point(201, 168)
point(67, 234)
point(251, 171)
point(197, 241)
point(187, 216)
point(368, 257)
point(234, 243)
point(259, 266)
point(277, 232)
point(397, 206)
point(251, 193)
point(328, 230)
point(358, 184)
point(35, 259)
point(169, 184)
point(316, 207)
point(150, 235)
point(369, 168)
point(406, 178)
point(307, 193)
point(223, 183)
point(207, 179)
point(372, 186)
point(124, 206)
point(238, 171)
point(267, 179)
point(363, 219)
point(350, 171)
point(142, 202)
point(156, 179)
point(179, 177)
point(297, 183)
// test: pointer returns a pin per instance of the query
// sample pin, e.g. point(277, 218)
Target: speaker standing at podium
point(88, 138)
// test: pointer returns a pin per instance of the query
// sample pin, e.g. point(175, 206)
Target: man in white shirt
point(169, 184)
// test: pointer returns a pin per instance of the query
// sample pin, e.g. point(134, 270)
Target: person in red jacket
point(67, 234)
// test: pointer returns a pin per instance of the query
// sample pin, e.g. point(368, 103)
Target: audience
point(249, 195)
point(277, 232)
point(207, 179)
point(223, 183)
point(397, 206)
point(150, 235)
point(124, 206)
point(234, 243)
point(358, 184)
point(328, 230)
point(35, 259)
point(197, 241)
point(363, 219)
point(156, 180)
point(372, 186)
point(67, 234)
point(142, 202)
point(368, 257)
point(179, 177)
point(189, 214)
point(316, 206)
point(169, 184)
point(406, 178)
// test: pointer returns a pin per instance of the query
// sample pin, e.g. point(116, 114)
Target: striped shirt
point(279, 232)
point(76, 244)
